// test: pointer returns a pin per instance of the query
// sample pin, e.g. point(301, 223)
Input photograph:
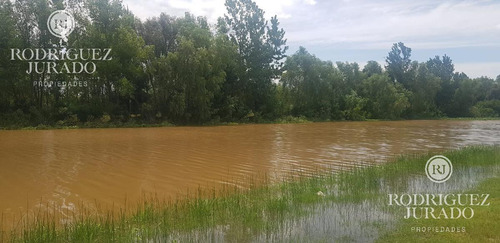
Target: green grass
point(246, 213)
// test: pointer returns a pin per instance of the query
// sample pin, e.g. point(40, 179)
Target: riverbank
point(284, 120)
point(234, 214)
point(141, 124)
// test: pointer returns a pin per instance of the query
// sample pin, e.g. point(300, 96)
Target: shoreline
point(292, 120)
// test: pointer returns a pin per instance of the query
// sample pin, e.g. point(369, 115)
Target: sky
point(362, 30)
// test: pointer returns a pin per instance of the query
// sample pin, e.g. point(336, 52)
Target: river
point(68, 168)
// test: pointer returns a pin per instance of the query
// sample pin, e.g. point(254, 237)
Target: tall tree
point(399, 64)
point(195, 80)
point(372, 68)
point(314, 86)
point(465, 97)
point(259, 46)
point(160, 32)
point(443, 69)
point(352, 75)
point(277, 42)
point(425, 89)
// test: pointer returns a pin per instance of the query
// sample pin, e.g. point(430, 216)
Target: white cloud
point(212, 9)
point(425, 23)
point(278, 8)
point(475, 70)
point(364, 23)
point(310, 2)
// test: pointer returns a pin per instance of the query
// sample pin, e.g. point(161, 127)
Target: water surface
point(113, 166)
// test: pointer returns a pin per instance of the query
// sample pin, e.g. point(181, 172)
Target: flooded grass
point(482, 228)
point(342, 206)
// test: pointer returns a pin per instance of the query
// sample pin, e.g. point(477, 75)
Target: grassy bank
point(242, 214)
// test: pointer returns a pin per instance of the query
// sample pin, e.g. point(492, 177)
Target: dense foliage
point(184, 70)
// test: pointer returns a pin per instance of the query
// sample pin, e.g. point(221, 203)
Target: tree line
point(185, 70)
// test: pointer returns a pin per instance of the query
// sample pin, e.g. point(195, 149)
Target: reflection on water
point(68, 167)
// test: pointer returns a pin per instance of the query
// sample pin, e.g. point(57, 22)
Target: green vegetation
point(184, 70)
point(246, 213)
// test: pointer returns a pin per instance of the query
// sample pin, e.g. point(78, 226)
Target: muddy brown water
point(68, 168)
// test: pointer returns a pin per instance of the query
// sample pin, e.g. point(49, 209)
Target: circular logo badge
point(61, 23)
point(438, 169)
